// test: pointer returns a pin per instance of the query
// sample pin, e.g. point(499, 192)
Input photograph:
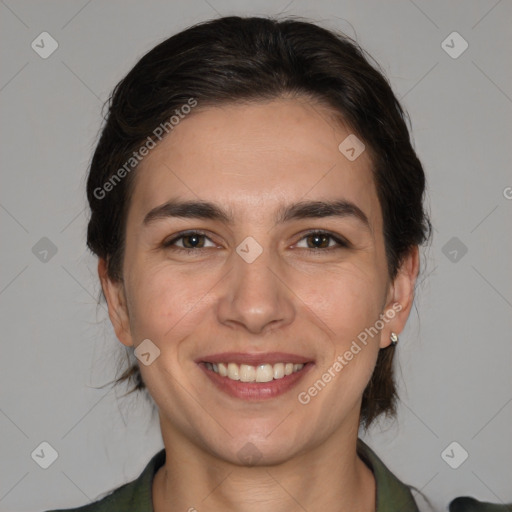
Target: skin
point(252, 160)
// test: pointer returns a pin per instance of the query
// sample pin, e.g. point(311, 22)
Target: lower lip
point(256, 390)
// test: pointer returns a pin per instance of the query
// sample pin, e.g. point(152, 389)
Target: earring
point(394, 338)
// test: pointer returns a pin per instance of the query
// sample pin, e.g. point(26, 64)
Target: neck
point(330, 477)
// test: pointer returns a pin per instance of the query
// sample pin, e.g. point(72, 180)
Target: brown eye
point(318, 241)
point(193, 241)
point(189, 241)
point(322, 240)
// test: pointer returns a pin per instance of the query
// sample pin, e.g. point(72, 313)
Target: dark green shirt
point(391, 494)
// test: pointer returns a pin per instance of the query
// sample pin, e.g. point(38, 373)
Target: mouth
point(255, 376)
point(248, 373)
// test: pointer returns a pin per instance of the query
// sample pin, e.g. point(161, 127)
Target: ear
point(116, 300)
point(400, 296)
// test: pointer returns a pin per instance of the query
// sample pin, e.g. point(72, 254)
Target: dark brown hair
point(235, 59)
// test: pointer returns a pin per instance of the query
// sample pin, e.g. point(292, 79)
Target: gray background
point(454, 358)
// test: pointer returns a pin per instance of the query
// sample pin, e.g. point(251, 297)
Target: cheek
point(347, 307)
point(347, 299)
point(164, 301)
point(348, 302)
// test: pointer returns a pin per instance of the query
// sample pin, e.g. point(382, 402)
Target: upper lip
point(254, 358)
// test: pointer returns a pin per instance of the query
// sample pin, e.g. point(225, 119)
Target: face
point(254, 262)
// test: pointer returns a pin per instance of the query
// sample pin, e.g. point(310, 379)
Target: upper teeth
point(260, 373)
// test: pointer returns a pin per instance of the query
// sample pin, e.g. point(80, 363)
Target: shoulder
point(134, 496)
point(467, 504)
point(392, 494)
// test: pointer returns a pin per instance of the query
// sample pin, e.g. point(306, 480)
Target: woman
point(257, 209)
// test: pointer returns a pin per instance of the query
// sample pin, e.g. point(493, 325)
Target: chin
point(260, 450)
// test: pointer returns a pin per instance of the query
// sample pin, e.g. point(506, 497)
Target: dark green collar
point(392, 495)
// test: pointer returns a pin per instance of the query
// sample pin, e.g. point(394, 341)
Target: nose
point(255, 296)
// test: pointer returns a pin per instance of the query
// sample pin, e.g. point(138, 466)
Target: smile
point(248, 373)
point(255, 376)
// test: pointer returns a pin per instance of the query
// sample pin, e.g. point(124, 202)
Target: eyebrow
point(297, 211)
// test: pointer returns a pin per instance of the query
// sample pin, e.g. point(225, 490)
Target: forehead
point(256, 157)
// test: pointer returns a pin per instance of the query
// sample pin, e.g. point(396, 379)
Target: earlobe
point(401, 298)
point(116, 301)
